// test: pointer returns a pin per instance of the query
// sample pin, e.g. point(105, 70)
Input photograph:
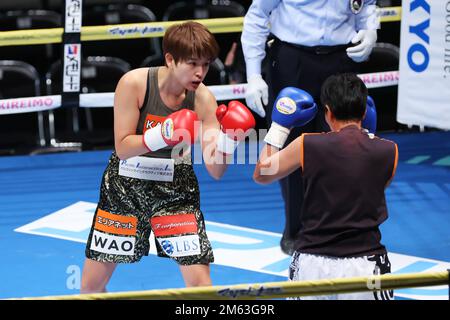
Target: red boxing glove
point(177, 127)
point(235, 121)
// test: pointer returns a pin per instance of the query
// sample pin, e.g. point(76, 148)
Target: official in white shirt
point(310, 40)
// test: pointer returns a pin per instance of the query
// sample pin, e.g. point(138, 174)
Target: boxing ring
point(48, 202)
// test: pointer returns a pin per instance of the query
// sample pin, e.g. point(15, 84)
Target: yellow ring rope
point(113, 32)
point(139, 30)
point(274, 289)
point(390, 14)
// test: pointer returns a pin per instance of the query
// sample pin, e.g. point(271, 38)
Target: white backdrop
point(424, 85)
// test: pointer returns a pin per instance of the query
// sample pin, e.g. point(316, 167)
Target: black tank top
point(154, 111)
point(344, 177)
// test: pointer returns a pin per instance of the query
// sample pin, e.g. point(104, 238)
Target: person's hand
point(235, 122)
point(361, 52)
point(257, 94)
point(293, 108)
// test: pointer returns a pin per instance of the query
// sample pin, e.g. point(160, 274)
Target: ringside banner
point(424, 88)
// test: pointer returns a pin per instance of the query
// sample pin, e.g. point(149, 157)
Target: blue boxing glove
point(370, 119)
point(292, 108)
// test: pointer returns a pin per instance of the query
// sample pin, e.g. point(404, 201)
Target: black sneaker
point(287, 245)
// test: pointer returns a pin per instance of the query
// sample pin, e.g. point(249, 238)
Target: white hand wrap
point(225, 144)
point(277, 135)
point(153, 139)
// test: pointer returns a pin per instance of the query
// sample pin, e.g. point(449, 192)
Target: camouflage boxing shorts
point(130, 208)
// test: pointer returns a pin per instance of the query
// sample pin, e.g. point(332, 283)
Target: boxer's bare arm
point(274, 164)
point(126, 115)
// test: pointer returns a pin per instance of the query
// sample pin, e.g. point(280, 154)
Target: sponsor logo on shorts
point(286, 105)
point(180, 246)
point(106, 243)
point(152, 121)
point(174, 225)
point(115, 224)
point(146, 168)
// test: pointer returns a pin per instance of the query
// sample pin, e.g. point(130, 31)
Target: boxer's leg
point(179, 226)
point(96, 275)
point(120, 228)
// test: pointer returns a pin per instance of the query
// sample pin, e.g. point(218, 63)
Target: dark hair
point(346, 96)
point(190, 40)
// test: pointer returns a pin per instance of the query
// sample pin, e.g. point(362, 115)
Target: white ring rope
point(221, 92)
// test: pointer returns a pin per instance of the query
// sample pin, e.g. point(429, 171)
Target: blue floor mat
point(43, 254)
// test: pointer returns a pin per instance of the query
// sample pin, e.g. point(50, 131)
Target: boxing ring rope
point(140, 30)
point(390, 14)
point(147, 30)
point(106, 99)
point(270, 290)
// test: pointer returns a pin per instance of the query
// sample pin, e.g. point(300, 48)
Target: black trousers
point(306, 69)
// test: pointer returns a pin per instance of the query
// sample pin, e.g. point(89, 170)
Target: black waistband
point(317, 49)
